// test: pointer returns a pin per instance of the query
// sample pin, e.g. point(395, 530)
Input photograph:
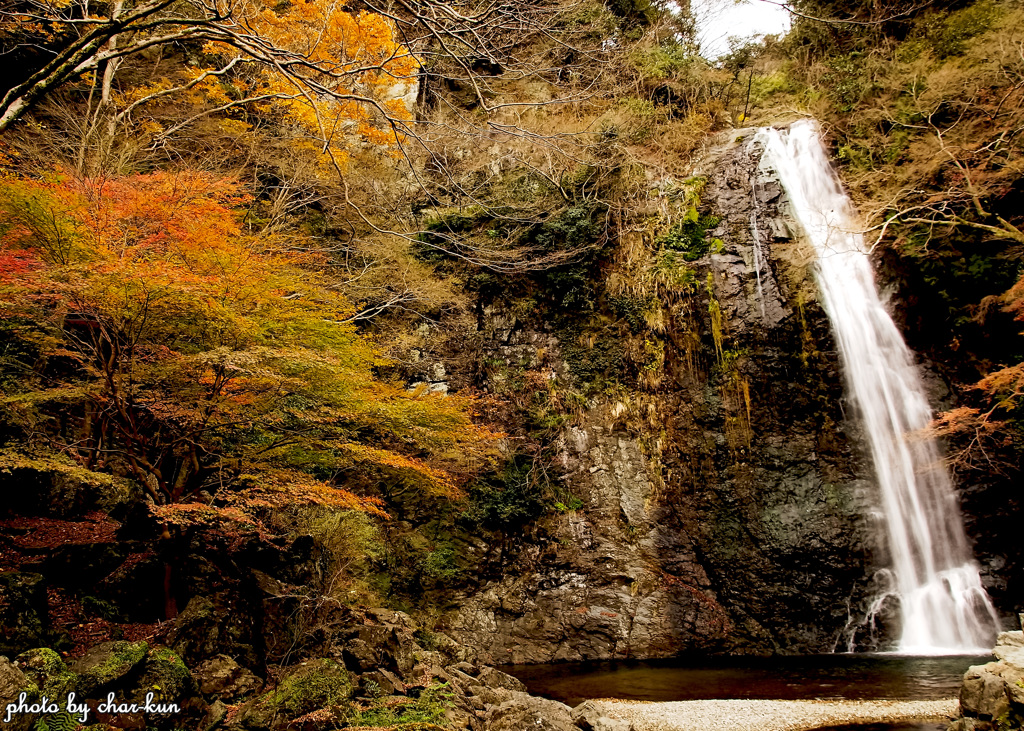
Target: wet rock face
point(721, 511)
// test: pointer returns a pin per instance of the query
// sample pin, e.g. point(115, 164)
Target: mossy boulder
point(48, 672)
point(107, 664)
point(57, 487)
point(312, 686)
point(165, 676)
point(24, 612)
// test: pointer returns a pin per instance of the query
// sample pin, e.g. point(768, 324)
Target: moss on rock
point(306, 688)
point(107, 663)
point(48, 672)
point(165, 676)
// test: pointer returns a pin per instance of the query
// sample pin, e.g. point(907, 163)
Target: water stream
point(943, 606)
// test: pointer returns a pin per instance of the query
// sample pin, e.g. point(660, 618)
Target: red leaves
point(95, 527)
point(16, 265)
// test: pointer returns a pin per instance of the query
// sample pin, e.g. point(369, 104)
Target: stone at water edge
point(524, 711)
point(992, 695)
point(589, 717)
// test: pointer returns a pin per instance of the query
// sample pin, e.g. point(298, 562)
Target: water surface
point(855, 677)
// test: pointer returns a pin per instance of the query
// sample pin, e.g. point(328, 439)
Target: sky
point(719, 19)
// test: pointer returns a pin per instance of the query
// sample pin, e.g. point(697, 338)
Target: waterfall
point(943, 605)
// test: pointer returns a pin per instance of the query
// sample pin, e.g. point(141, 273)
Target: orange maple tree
point(151, 335)
point(340, 74)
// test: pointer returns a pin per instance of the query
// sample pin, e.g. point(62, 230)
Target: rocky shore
point(992, 696)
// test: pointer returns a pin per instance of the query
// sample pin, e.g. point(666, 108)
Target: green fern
point(62, 721)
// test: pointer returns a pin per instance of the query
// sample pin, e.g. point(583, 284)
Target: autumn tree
point(150, 335)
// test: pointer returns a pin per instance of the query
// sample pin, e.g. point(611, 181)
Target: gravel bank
point(742, 715)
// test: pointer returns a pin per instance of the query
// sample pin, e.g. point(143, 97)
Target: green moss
point(126, 656)
point(48, 672)
point(594, 357)
point(670, 270)
point(570, 504)
point(689, 236)
point(429, 709)
point(318, 684)
point(508, 499)
point(633, 309)
point(44, 660)
point(165, 674)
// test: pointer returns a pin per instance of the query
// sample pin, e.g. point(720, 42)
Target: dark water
point(858, 677)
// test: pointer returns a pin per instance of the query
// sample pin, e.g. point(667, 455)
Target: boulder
point(438, 642)
point(494, 678)
point(524, 711)
point(60, 489)
point(1010, 639)
point(48, 672)
point(216, 713)
point(163, 674)
point(992, 695)
point(313, 686)
point(214, 626)
point(13, 683)
point(965, 724)
point(484, 696)
point(222, 678)
point(371, 646)
point(24, 612)
point(360, 656)
point(106, 665)
point(981, 694)
point(426, 674)
point(382, 682)
point(590, 716)
point(1011, 654)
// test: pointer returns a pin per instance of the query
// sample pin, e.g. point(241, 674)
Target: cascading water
point(943, 605)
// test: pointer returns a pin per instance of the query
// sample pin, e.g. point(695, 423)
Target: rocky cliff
point(720, 508)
